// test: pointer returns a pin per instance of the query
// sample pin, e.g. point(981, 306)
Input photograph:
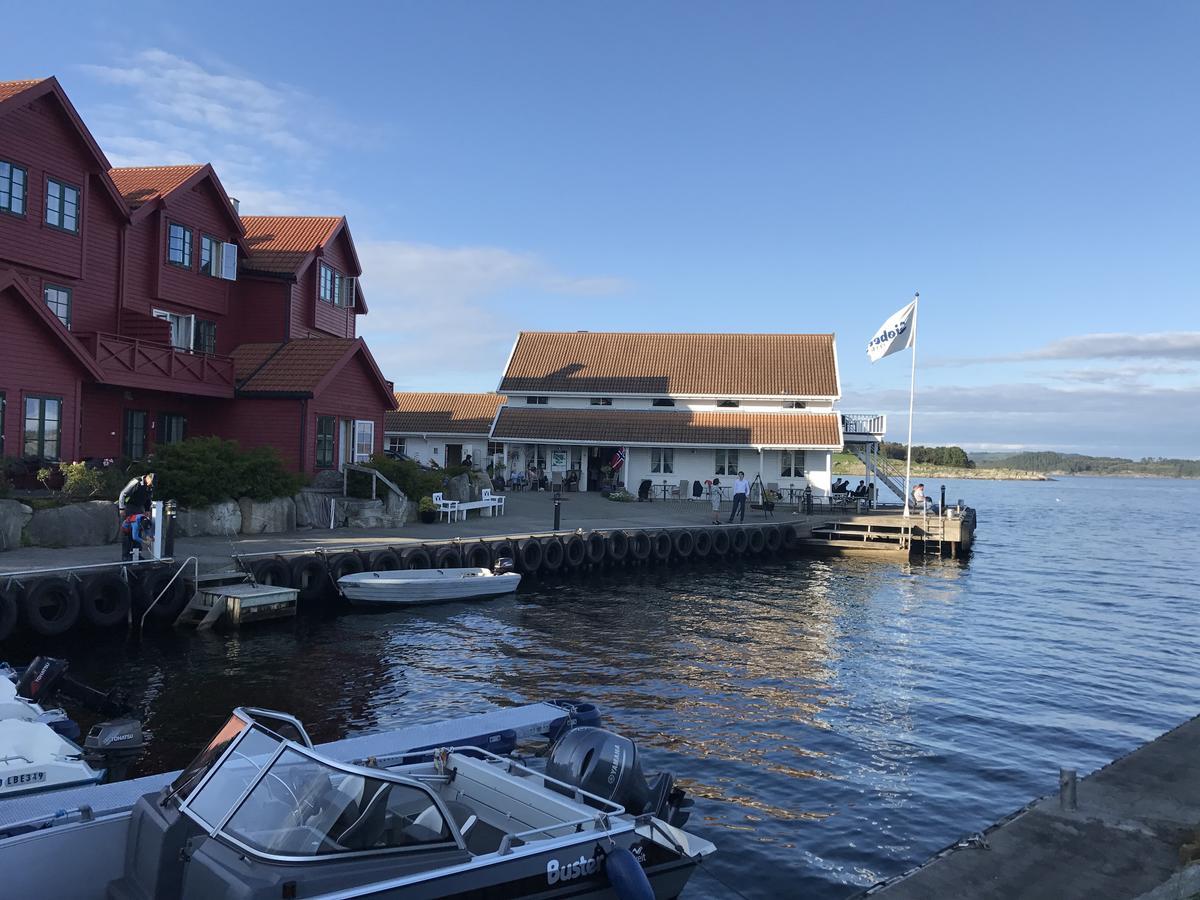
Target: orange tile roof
point(293, 367)
point(441, 413)
point(141, 184)
point(281, 243)
point(12, 88)
point(721, 365)
point(548, 424)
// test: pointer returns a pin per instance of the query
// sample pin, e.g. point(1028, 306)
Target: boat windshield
point(187, 780)
point(302, 806)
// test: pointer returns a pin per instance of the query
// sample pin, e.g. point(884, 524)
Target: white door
point(364, 440)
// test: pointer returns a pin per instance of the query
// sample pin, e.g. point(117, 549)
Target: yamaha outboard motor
point(114, 746)
point(46, 676)
point(606, 764)
point(503, 566)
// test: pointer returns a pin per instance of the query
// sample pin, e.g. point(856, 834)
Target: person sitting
point(920, 501)
point(861, 490)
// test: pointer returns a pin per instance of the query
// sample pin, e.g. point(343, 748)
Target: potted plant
point(426, 511)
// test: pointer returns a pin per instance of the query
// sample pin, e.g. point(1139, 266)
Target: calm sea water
point(838, 720)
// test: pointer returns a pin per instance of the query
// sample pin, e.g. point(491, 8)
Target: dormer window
point(62, 206)
point(12, 188)
point(601, 401)
point(662, 401)
point(793, 404)
point(179, 245)
point(537, 401)
point(333, 286)
point(728, 404)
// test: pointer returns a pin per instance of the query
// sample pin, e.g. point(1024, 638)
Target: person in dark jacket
point(136, 496)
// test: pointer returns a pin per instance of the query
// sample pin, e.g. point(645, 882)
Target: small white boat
point(33, 757)
point(402, 587)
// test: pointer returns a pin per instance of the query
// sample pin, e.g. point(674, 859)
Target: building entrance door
point(453, 455)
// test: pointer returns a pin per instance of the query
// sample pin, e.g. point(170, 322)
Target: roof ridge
point(164, 166)
point(756, 334)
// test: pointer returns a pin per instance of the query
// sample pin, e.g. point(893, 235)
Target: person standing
point(135, 497)
point(741, 489)
point(714, 494)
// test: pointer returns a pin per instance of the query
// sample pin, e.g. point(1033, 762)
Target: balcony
point(159, 367)
point(863, 428)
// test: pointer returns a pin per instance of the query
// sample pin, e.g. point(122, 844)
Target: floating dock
point(1128, 830)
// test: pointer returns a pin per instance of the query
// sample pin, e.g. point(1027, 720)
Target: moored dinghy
point(406, 586)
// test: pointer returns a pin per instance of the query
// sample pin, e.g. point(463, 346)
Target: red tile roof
point(141, 184)
point(12, 88)
point(705, 365)
point(665, 428)
point(294, 367)
point(439, 413)
point(280, 244)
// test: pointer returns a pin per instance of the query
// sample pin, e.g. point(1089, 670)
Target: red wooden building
point(137, 307)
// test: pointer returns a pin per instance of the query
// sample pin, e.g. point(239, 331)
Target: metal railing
point(195, 575)
point(864, 423)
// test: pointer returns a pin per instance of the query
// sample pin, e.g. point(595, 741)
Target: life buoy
point(618, 545)
point(274, 571)
point(148, 587)
point(344, 564)
point(737, 541)
point(310, 577)
point(576, 552)
point(417, 558)
point(660, 546)
point(774, 538)
point(9, 612)
point(720, 541)
point(684, 543)
point(104, 599)
point(529, 555)
point(703, 543)
point(447, 557)
point(597, 548)
point(755, 542)
point(639, 546)
point(51, 606)
point(478, 556)
point(552, 554)
point(385, 560)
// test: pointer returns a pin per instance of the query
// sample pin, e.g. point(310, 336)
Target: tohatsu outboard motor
point(503, 566)
point(114, 746)
point(45, 677)
point(606, 764)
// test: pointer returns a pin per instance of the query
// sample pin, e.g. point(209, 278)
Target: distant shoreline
point(985, 474)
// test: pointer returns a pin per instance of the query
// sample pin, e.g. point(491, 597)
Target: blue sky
point(1029, 168)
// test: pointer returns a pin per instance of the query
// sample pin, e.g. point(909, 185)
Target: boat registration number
point(25, 778)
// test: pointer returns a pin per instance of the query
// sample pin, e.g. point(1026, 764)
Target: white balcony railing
point(864, 425)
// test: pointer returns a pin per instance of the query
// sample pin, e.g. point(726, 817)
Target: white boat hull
point(34, 758)
point(402, 588)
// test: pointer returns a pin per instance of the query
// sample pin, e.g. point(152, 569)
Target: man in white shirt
point(741, 489)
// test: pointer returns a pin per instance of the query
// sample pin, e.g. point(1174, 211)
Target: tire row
point(53, 605)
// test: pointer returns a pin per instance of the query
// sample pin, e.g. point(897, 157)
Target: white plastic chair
point(449, 507)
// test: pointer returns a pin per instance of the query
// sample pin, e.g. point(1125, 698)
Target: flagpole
point(912, 393)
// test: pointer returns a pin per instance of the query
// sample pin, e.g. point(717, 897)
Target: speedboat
point(406, 586)
point(259, 813)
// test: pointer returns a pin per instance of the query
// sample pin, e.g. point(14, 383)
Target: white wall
point(699, 465)
point(433, 447)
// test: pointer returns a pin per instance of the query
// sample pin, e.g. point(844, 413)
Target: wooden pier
point(889, 533)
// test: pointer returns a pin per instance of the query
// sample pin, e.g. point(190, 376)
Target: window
point(726, 462)
point(662, 401)
point(210, 256)
point(726, 404)
point(793, 404)
point(43, 427)
point(329, 284)
point(662, 460)
point(12, 188)
point(540, 401)
point(601, 401)
point(496, 448)
point(206, 336)
point(182, 328)
point(326, 426)
point(172, 428)
point(62, 205)
point(59, 301)
point(179, 245)
point(3, 403)
point(791, 464)
point(364, 440)
point(133, 446)
point(392, 445)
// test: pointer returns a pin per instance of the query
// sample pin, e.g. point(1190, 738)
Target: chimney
point(237, 205)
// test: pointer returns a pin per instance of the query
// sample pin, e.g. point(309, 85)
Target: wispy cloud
point(446, 315)
point(1118, 345)
point(167, 109)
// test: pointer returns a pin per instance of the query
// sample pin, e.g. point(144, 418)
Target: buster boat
point(408, 586)
point(260, 813)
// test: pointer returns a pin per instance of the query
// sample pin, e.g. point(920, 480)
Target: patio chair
point(448, 507)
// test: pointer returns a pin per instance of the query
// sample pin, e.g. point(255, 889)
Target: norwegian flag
point(618, 459)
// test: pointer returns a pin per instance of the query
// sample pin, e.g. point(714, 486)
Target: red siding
point(266, 423)
point(260, 314)
point(353, 394)
point(103, 413)
point(35, 362)
point(313, 317)
point(201, 211)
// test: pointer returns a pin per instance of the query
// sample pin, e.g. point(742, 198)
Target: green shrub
point(204, 470)
point(407, 475)
point(621, 496)
point(426, 505)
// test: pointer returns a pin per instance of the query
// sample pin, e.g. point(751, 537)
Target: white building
point(440, 427)
point(678, 407)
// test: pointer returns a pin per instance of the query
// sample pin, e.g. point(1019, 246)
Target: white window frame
point(61, 303)
point(363, 428)
point(791, 464)
point(662, 460)
point(181, 326)
point(393, 443)
point(725, 462)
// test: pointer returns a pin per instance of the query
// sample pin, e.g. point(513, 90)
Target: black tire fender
point(530, 555)
point(51, 606)
point(720, 541)
point(274, 571)
point(150, 584)
point(774, 538)
point(684, 543)
point(385, 561)
point(105, 599)
point(596, 546)
point(344, 564)
point(702, 546)
point(618, 545)
point(478, 556)
point(576, 552)
point(447, 557)
point(310, 577)
point(553, 554)
point(639, 545)
point(661, 546)
point(738, 541)
point(10, 612)
point(755, 542)
point(417, 558)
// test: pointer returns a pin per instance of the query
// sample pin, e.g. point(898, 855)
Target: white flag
point(894, 335)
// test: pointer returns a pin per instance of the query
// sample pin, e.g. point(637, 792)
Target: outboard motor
point(46, 676)
point(606, 764)
point(503, 566)
point(114, 746)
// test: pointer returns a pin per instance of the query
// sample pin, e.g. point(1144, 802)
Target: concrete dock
point(1131, 833)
